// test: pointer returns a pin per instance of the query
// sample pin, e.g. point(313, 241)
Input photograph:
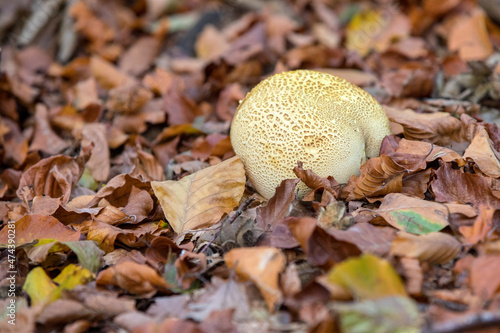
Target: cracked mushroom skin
point(328, 123)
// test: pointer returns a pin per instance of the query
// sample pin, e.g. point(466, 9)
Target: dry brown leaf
point(44, 138)
point(278, 206)
point(139, 57)
point(54, 176)
point(437, 127)
point(33, 227)
point(470, 38)
point(379, 176)
point(211, 43)
point(261, 265)
point(457, 186)
point(132, 277)
point(98, 163)
point(481, 228)
point(128, 98)
point(199, 200)
point(414, 276)
point(483, 154)
point(330, 187)
point(413, 215)
point(322, 249)
point(435, 248)
point(98, 32)
point(106, 73)
point(13, 142)
point(367, 237)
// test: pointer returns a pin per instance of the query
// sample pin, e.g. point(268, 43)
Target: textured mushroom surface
point(322, 120)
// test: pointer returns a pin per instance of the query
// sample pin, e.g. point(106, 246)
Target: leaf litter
point(132, 212)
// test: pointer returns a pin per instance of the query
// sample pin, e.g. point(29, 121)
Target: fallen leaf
point(140, 56)
point(389, 314)
point(53, 176)
point(261, 265)
point(321, 248)
point(413, 215)
point(457, 186)
point(98, 163)
point(483, 154)
point(39, 286)
point(435, 247)
point(33, 227)
point(278, 206)
point(437, 127)
point(199, 200)
point(44, 138)
point(382, 280)
point(482, 227)
point(134, 278)
point(470, 38)
point(368, 238)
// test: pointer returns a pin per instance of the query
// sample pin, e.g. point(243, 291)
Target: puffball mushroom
point(328, 123)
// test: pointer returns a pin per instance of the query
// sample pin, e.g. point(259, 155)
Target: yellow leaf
point(199, 200)
point(39, 286)
point(367, 277)
point(70, 277)
point(262, 265)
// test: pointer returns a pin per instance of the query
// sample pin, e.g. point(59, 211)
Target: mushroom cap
point(326, 122)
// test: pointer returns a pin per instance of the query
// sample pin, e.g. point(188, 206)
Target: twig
point(469, 323)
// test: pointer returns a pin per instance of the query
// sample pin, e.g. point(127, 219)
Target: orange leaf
point(261, 265)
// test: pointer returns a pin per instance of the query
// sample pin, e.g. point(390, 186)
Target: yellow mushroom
point(322, 120)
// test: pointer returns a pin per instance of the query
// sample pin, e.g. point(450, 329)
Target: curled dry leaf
point(435, 247)
point(261, 265)
point(44, 138)
point(278, 207)
point(457, 186)
point(199, 200)
point(481, 151)
point(481, 228)
point(132, 277)
point(54, 176)
point(379, 176)
point(328, 185)
point(413, 215)
point(321, 248)
point(437, 127)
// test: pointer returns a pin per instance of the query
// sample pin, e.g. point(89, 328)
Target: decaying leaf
point(132, 277)
point(390, 314)
point(366, 277)
point(261, 265)
point(199, 200)
point(413, 215)
point(435, 247)
point(321, 248)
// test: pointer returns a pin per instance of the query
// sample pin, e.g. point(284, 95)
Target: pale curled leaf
point(199, 200)
point(435, 248)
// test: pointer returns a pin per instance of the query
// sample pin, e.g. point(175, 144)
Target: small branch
point(469, 323)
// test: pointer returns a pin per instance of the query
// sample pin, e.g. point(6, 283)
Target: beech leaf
point(366, 277)
point(413, 215)
point(435, 248)
point(199, 200)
